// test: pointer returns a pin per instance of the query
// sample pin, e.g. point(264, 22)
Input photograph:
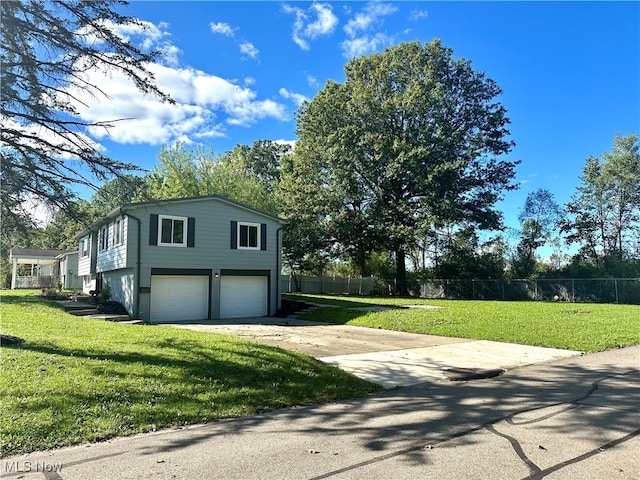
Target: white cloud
point(296, 97)
point(42, 213)
point(312, 81)
point(365, 44)
point(171, 54)
point(204, 104)
point(325, 22)
point(143, 34)
point(247, 48)
point(291, 143)
point(418, 14)
point(56, 143)
point(149, 33)
point(222, 28)
point(246, 113)
point(317, 21)
point(360, 41)
point(368, 18)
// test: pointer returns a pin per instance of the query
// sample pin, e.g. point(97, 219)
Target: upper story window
point(172, 231)
point(103, 238)
point(84, 247)
point(248, 235)
point(118, 232)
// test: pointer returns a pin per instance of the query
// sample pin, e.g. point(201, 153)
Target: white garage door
point(178, 297)
point(242, 297)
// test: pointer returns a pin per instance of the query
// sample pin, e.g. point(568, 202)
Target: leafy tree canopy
point(183, 172)
point(263, 160)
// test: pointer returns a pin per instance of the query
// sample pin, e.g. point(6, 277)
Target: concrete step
point(69, 305)
point(83, 312)
point(109, 317)
point(300, 312)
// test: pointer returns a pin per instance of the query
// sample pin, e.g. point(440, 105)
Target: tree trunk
point(401, 273)
point(362, 263)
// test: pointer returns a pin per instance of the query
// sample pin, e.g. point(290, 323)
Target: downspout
point(136, 290)
point(278, 266)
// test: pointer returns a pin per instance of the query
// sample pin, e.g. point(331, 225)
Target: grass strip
point(574, 326)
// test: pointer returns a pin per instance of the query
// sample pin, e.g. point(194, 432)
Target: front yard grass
point(585, 327)
point(76, 380)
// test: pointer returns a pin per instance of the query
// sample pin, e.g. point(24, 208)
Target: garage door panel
point(243, 296)
point(179, 298)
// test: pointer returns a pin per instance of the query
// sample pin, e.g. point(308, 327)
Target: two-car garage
point(187, 297)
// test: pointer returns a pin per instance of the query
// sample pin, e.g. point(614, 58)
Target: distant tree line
point(600, 224)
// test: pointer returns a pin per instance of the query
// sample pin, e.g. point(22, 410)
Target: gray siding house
point(185, 259)
point(68, 271)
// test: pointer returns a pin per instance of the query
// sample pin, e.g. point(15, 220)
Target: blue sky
point(570, 72)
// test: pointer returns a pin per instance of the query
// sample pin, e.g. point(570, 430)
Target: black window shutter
point(191, 232)
point(263, 236)
point(153, 230)
point(234, 235)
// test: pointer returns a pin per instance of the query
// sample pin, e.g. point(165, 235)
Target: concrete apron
point(388, 358)
point(407, 367)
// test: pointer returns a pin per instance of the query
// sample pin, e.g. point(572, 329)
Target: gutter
point(136, 291)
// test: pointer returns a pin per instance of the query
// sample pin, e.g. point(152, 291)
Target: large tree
point(411, 138)
point(48, 47)
point(604, 213)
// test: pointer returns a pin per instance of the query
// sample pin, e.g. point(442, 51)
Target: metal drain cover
point(462, 374)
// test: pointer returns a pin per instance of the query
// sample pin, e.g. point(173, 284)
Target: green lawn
point(77, 379)
point(575, 326)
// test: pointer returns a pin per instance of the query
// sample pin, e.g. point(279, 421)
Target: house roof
point(66, 253)
point(34, 255)
point(123, 209)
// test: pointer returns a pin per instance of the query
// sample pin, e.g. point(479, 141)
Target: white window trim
point(258, 234)
point(118, 231)
point(185, 228)
point(103, 238)
point(83, 253)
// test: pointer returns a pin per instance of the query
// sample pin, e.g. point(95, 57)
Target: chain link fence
point(583, 290)
point(580, 290)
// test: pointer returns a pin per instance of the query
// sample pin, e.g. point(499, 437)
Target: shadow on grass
point(334, 315)
point(337, 301)
point(96, 394)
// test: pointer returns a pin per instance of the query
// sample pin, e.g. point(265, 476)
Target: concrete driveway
point(391, 359)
